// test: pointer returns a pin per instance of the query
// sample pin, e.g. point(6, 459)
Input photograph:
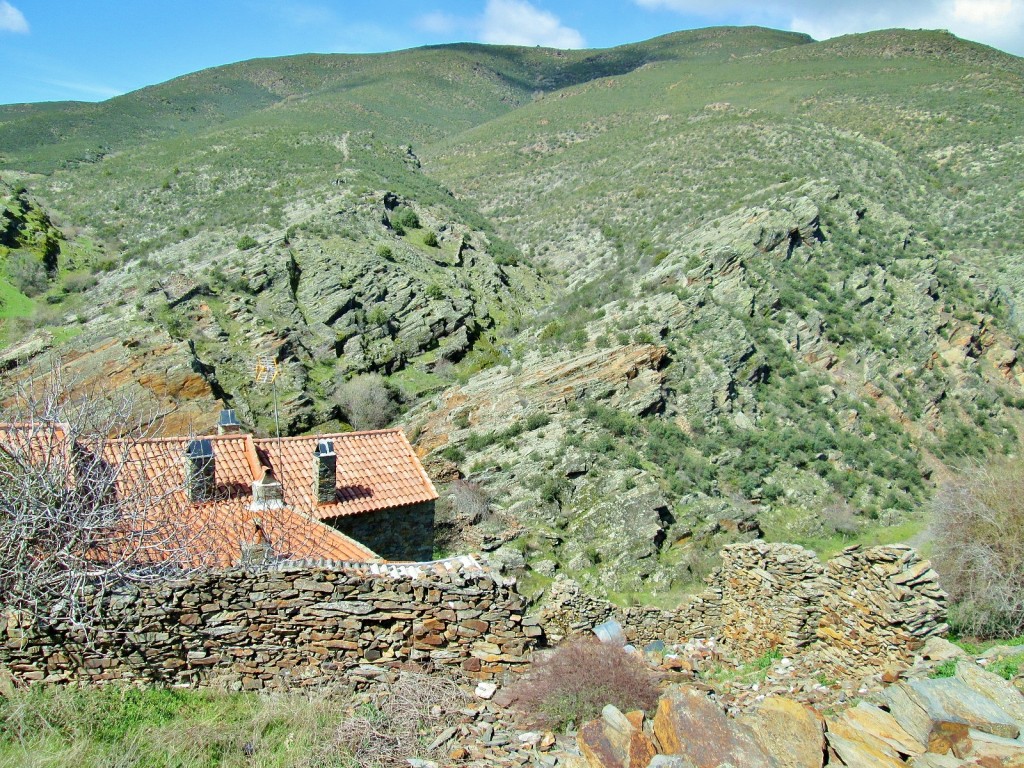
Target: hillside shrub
point(26, 273)
point(245, 242)
point(430, 239)
point(470, 499)
point(368, 401)
point(405, 218)
point(573, 683)
point(979, 549)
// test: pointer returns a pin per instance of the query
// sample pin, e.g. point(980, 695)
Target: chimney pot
point(200, 470)
point(267, 493)
point(325, 467)
point(228, 423)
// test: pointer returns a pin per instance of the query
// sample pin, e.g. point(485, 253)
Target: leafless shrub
point(400, 721)
point(368, 402)
point(575, 681)
point(77, 516)
point(444, 369)
point(978, 527)
point(470, 499)
point(841, 518)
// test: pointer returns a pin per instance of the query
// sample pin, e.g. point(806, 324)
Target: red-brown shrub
point(575, 681)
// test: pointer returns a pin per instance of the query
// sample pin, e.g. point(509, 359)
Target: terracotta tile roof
point(375, 470)
point(219, 531)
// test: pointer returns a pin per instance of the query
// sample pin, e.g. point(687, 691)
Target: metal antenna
point(265, 371)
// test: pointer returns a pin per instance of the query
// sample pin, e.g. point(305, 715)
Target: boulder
point(858, 753)
point(616, 740)
point(950, 698)
point(882, 725)
point(688, 723)
point(938, 730)
point(993, 687)
point(790, 731)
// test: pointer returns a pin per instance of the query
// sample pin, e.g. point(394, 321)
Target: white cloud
point(517, 22)
point(11, 19)
point(994, 22)
point(504, 22)
point(438, 23)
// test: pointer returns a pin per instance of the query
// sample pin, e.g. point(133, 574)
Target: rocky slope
point(639, 302)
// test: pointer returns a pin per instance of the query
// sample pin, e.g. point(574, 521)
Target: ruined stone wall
point(276, 629)
point(865, 607)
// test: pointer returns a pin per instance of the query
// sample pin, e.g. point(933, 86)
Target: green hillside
point(644, 300)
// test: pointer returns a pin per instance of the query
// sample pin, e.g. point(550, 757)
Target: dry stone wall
point(311, 625)
point(277, 629)
point(865, 607)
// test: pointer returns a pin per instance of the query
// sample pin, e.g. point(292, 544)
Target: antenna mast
point(265, 371)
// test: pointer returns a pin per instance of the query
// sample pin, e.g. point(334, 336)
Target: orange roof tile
point(376, 470)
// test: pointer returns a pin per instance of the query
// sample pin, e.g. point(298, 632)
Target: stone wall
point(276, 629)
point(865, 607)
point(316, 624)
point(405, 533)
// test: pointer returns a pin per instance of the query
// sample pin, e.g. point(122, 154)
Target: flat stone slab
point(688, 723)
point(950, 698)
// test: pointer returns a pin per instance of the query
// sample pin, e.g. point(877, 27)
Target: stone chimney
point(267, 493)
point(200, 470)
point(325, 467)
point(228, 423)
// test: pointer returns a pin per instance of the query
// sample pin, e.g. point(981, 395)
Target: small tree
point(77, 516)
point(978, 528)
point(368, 401)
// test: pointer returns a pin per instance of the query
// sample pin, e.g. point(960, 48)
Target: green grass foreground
point(124, 727)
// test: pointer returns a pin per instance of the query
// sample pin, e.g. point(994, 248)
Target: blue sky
point(72, 49)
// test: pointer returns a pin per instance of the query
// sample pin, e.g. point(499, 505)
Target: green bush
point(245, 242)
point(404, 217)
point(430, 239)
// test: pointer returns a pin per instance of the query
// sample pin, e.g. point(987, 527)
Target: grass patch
point(13, 303)
point(144, 727)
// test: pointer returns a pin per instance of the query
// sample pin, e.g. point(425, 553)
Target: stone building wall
point(405, 533)
point(865, 607)
point(276, 629)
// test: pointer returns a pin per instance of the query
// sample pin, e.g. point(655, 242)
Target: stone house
point(233, 498)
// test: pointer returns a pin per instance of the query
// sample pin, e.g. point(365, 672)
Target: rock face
point(278, 629)
point(865, 608)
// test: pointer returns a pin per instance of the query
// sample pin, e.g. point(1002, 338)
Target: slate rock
point(950, 697)
point(790, 731)
point(1002, 692)
point(688, 723)
point(615, 741)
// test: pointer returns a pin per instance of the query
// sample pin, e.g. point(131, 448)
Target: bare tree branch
point(80, 512)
